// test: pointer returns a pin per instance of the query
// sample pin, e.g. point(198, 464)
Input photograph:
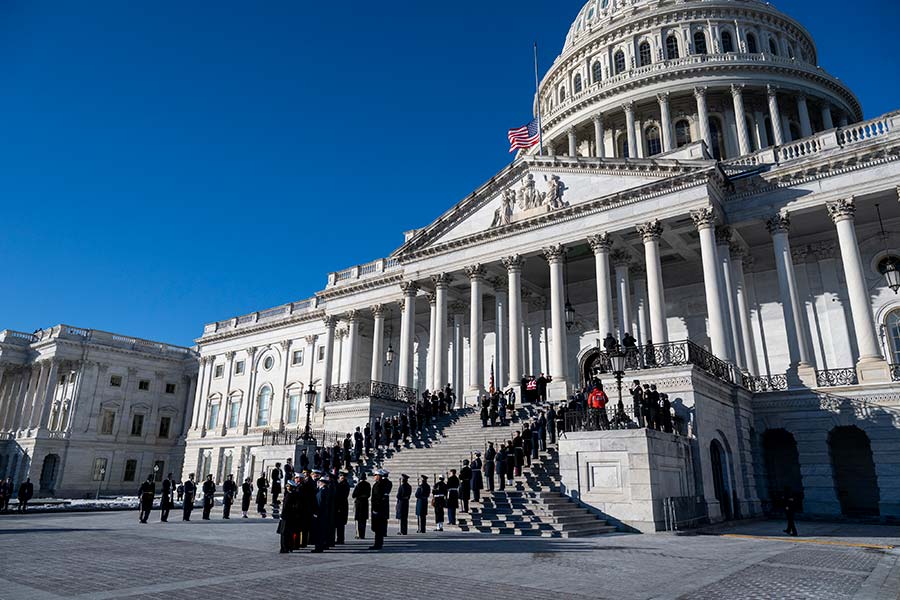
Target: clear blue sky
point(166, 164)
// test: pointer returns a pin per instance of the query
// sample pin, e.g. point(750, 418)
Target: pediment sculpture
point(528, 202)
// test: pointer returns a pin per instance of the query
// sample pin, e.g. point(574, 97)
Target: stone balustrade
point(269, 315)
point(371, 269)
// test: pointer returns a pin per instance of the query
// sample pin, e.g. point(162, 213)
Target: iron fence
point(370, 389)
point(765, 383)
point(836, 377)
point(683, 512)
point(673, 354)
point(319, 437)
point(617, 417)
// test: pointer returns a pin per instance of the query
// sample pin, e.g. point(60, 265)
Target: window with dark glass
point(671, 47)
point(752, 48)
point(682, 133)
point(170, 388)
point(144, 385)
point(727, 42)
point(619, 61)
point(654, 146)
point(644, 53)
point(137, 425)
point(130, 470)
point(699, 42)
point(562, 94)
point(597, 71)
point(577, 84)
point(773, 46)
point(165, 423)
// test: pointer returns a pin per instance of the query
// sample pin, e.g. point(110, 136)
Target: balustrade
point(370, 389)
point(836, 377)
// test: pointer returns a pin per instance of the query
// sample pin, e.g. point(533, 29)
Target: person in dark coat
point(320, 516)
point(542, 430)
point(439, 502)
point(262, 491)
point(452, 497)
point(361, 494)
point(304, 460)
point(381, 509)
point(490, 457)
point(26, 492)
point(276, 486)
point(477, 480)
point(485, 408)
point(423, 492)
point(551, 424)
point(348, 452)
point(330, 530)
point(610, 343)
point(190, 491)
point(209, 494)
point(246, 496)
point(790, 506)
point(535, 442)
point(145, 495)
point(288, 470)
point(526, 443)
point(290, 518)
point(229, 491)
point(465, 485)
point(357, 444)
point(341, 506)
point(511, 461)
point(166, 502)
point(542, 387)
point(401, 511)
point(367, 439)
point(307, 507)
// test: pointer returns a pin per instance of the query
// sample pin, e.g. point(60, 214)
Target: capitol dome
point(642, 78)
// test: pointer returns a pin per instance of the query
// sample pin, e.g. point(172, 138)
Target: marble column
point(432, 328)
point(407, 332)
point(49, 392)
point(703, 118)
point(328, 361)
point(457, 309)
point(513, 266)
point(377, 372)
point(726, 287)
point(650, 233)
point(742, 299)
point(803, 115)
point(779, 226)
point(601, 245)
point(759, 123)
point(621, 260)
point(573, 142)
point(440, 374)
point(705, 221)
point(555, 256)
point(827, 122)
point(639, 281)
point(871, 361)
point(599, 137)
point(665, 121)
point(774, 115)
point(501, 331)
point(740, 119)
point(311, 353)
point(476, 274)
point(628, 107)
point(350, 350)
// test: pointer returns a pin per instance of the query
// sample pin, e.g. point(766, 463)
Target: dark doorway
point(48, 473)
point(853, 468)
point(591, 366)
point(720, 478)
point(782, 468)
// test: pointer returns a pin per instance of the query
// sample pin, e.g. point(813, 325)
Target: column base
point(472, 397)
point(873, 370)
point(558, 390)
point(802, 376)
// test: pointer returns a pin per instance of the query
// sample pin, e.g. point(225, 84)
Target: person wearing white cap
point(437, 501)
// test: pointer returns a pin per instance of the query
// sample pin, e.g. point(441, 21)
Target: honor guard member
point(452, 497)
point(381, 508)
point(438, 500)
point(190, 491)
point(320, 514)
point(342, 506)
point(145, 494)
point(229, 491)
point(166, 502)
point(477, 480)
point(209, 494)
point(288, 527)
point(262, 491)
point(404, 493)
point(246, 496)
point(500, 469)
point(423, 492)
point(490, 457)
point(276, 488)
point(465, 485)
point(361, 494)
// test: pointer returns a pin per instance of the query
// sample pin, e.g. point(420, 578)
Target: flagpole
point(537, 85)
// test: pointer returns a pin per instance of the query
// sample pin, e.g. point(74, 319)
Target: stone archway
point(591, 365)
point(721, 481)
point(48, 474)
point(853, 468)
point(782, 467)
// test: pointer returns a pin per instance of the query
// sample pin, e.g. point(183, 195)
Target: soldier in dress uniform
point(262, 491)
point(190, 490)
point(477, 480)
point(361, 494)
point(229, 491)
point(276, 488)
point(422, 494)
point(465, 485)
point(348, 452)
point(165, 503)
point(438, 501)
point(145, 494)
point(246, 496)
point(381, 508)
point(404, 493)
point(290, 518)
point(452, 496)
point(490, 456)
point(341, 506)
point(209, 491)
point(320, 532)
point(307, 507)
point(357, 444)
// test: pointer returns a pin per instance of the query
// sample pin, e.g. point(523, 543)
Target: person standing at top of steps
point(542, 428)
point(511, 400)
point(438, 501)
point(502, 403)
point(519, 454)
point(423, 492)
point(485, 410)
point(535, 440)
point(542, 387)
point(551, 424)
point(477, 482)
point(465, 485)
point(490, 456)
point(501, 468)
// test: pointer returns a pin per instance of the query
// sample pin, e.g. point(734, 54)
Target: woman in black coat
point(247, 495)
point(361, 494)
point(262, 492)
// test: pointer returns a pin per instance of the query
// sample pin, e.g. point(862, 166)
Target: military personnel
point(452, 496)
point(381, 491)
point(438, 501)
point(165, 502)
point(320, 514)
point(477, 480)
point(422, 494)
point(246, 496)
point(357, 444)
point(209, 492)
point(465, 485)
point(490, 456)
point(341, 506)
point(404, 493)
point(500, 469)
point(289, 526)
point(276, 488)
point(190, 491)
point(262, 490)
point(348, 452)
point(229, 491)
point(145, 494)
point(361, 494)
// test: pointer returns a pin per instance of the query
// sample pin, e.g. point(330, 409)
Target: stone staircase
point(533, 505)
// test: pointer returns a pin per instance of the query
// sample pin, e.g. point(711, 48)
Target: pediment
point(534, 187)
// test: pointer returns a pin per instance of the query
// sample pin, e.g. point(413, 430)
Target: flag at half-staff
point(491, 387)
point(524, 137)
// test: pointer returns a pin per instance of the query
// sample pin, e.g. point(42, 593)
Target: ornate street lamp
point(389, 355)
point(891, 272)
point(570, 315)
point(310, 394)
point(617, 358)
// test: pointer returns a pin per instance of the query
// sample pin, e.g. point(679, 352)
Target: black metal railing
point(370, 389)
point(292, 437)
point(617, 417)
point(895, 372)
point(765, 383)
point(836, 377)
point(673, 354)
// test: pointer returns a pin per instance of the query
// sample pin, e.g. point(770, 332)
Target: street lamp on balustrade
point(617, 358)
point(310, 400)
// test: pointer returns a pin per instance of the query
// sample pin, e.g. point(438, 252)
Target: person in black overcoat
point(320, 532)
point(165, 502)
point(477, 477)
point(307, 508)
point(452, 496)
point(229, 491)
point(465, 485)
point(26, 491)
point(490, 457)
point(190, 491)
point(348, 452)
point(526, 443)
point(145, 494)
point(381, 507)
point(246, 496)
point(276, 486)
point(290, 518)
point(439, 502)
point(501, 468)
point(209, 492)
point(404, 493)
point(423, 492)
point(361, 494)
point(341, 506)
point(262, 491)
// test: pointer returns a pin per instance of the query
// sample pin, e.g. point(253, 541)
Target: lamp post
point(389, 355)
point(891, 273)
point(310, 400)
point(100, 482)
point(617, 358)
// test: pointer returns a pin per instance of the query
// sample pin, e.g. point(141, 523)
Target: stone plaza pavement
point(110, 555)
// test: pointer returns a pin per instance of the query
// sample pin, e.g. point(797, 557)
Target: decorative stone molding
point(737, 89)
point(799, 254)
point(700, 92)
point(432, 298)
point(723, 235)
point(737, 251)
point(409, 288)
point(602, 242)
point(771, 91)
point(352, 315)
point(554, 253)
point(229, 355)
point(704, 218)
point(823, 250)
point(251, 352)
point(513, 263)
point(311, 339)
point(499, 284)
point(441, 280)
point(458, 308)
point(378, 310)
point(842, 209)
point(650, 231)
point(638, 271)
point(779, 223)
point(329, 321)
point(286, 345)
point(620, 258)
point(475, 271)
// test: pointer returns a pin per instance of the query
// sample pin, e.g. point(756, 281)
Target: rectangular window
point(213, 416)
point(293, 407)
point(239, 367)
point(98, 473)
point(234, 414)
point(62, 380)
point(158, 473)
point(115, 381)
point(107, 422)
point(321, 353)
point(219, 371)
point(297, 357)
point(170, 388)
point(137, 425)
point(130, 470)
point(144, 385)
point(165, 423)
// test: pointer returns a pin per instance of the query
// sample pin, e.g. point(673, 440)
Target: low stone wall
point(345, 417)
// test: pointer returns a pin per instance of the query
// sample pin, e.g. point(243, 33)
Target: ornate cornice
point(360, 286)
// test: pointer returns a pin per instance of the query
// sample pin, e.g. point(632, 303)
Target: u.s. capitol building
point(705, 186)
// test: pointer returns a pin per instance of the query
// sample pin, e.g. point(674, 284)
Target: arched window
point(644, 53)
point(263, 404)
point(562, 93)
point(622, 146)
point(892, 325)
point(682, 133)
point(790, 51)
point(727, 43)
point(699, 42)
point(597, 71)
point(715, 135)
point(577, 84)
point(671, 47)
point(654, 146)
point(752, 48)
point(773, 46)
point(619, 60)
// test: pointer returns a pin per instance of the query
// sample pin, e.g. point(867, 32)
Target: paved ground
point(109, 555)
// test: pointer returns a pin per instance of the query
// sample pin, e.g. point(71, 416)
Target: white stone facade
point(85, 411)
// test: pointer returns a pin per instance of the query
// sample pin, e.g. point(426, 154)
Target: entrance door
point(720, 478)
point(782, 468)
point(48, 473)
point(855, 480)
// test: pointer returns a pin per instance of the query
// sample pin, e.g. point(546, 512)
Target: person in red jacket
point(597, 401)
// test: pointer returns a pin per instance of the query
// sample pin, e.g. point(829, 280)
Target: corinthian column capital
point(600, 242)
point(842, 209)
point(704, 217)
point(650, 231)
point(779, 223)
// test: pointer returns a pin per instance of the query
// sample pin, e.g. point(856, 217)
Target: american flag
point(525, 136)
point(491, 388)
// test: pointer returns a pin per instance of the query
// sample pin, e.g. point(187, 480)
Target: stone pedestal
point(873, 370)
point(345, 417)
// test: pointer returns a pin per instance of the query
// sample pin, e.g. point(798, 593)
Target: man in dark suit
point(381, 491)
point(465, 485)
point(361, 494)
point(489, 462)
point(165, 502)
point(320, 532)
point(145, 495)
point(229, 491)
point(341, 506)
point(404, 493)
point(209, 494)
point(476, 479)
point(26, 491)
point(542, 387)
point(423, 493)
point(190, 491)
point(276, 488)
